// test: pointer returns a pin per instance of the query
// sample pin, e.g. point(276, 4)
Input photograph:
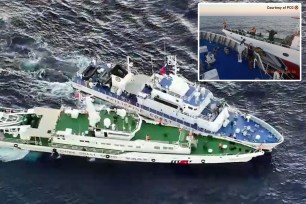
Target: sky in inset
point(249, 9)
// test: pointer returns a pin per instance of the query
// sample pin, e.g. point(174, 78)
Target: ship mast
point(128, 64)
point(171, 60)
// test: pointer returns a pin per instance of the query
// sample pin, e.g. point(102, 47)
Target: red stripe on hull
point(294, 69)
point(184, 162)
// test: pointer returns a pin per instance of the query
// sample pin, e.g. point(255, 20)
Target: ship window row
point(118, 134)
point(84, 141)
point(110, 134)
point(157, 147)
point(9, 130)
point(170, 148)
point(165, 102)
point(117, 145)
point(121, 145)
point(191, 108)
point(131, 146)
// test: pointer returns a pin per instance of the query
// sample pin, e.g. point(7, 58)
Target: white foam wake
point(11, 154)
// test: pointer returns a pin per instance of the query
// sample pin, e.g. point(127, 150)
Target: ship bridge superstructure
point(188, 97)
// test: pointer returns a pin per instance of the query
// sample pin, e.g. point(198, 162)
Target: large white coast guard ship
point(170, 98)
point(113, 134)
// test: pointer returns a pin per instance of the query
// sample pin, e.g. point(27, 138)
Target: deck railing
point(63, 146)
point(272, 130)
point(12, 110)
point(256, 37)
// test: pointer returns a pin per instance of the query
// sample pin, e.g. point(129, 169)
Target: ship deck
point(251, 129)
point(205, 145)
point(227, 66)
point(81, 124)
point(47, 122)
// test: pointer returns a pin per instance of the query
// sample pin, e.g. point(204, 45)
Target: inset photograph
point(249, 41)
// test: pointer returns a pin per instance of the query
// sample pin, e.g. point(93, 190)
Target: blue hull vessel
point(171, 99)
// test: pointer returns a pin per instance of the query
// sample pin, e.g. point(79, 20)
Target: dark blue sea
point(44, 42)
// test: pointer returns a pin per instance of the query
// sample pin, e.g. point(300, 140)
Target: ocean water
point(44, 42)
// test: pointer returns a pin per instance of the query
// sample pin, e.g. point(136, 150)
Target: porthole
point(286, 54)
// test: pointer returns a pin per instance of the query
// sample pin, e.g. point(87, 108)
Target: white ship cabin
point(8, 119)
point(177, 92)
point(38, 122)
point(171, 90)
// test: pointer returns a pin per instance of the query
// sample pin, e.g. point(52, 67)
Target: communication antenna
point(129, 64)
point(171, 60)
point(165, 52)
point(152, 65)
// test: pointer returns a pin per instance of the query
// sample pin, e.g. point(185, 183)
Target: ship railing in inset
point(256, 37)
point(259, 63)
point(220, 39)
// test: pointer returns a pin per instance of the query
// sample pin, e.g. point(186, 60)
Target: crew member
point(271, 34)
point(250, 55)
point(224, 25)
point(253, 31)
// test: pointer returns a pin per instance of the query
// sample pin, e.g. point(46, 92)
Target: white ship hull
point(143, 112)
point(138, 156)
point(284, 53)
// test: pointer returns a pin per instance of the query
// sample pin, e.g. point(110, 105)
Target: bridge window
point(165, 102)
point(156, 147)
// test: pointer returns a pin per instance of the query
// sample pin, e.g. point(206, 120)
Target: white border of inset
point(246, 80)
